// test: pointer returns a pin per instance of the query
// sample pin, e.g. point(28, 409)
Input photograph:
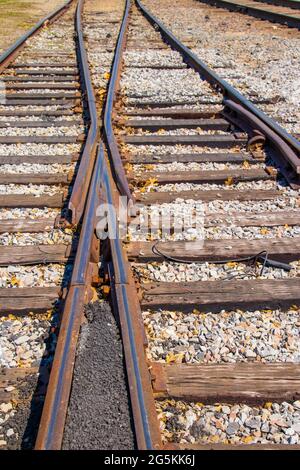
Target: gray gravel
point(254, 56)
point(99, 415)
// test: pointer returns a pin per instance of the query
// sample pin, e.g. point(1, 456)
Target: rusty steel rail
point(83, 177)
point(258, 12)
point(50, 434)
point(227, 90)
point(8, 56)
point(124, 293)
point(119, 172)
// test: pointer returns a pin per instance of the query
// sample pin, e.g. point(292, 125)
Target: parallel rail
point(266, 12)
point(125, 297)
point(282, 3)
point(8, 56)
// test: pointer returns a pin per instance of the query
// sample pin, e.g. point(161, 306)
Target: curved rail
point(81, 185)
point(114, 153)
point(126, 304)
point(12, 51)
point(229, 91)
point(54, 413)
point(124, 293)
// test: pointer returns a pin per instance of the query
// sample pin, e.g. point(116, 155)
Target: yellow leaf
point(264, 231)
point(152, 182)
point(247, 440)
point(246, 164)
point(106, 76)
point(229, 181)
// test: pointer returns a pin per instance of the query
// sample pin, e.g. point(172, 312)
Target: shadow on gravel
point(99, 415)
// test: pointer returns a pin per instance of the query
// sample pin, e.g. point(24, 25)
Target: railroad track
point(48, 139)
point(219, 181)
point(198, 356)
point(279, 12)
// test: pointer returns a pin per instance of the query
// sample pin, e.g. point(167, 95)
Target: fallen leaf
point(15, 281)
point(175, 358)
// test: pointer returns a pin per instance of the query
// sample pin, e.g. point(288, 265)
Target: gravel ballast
point(99, 415)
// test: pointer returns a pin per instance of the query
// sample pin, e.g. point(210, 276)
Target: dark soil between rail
point(99, 415)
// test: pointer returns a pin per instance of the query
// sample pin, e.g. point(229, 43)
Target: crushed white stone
point(223, 337)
